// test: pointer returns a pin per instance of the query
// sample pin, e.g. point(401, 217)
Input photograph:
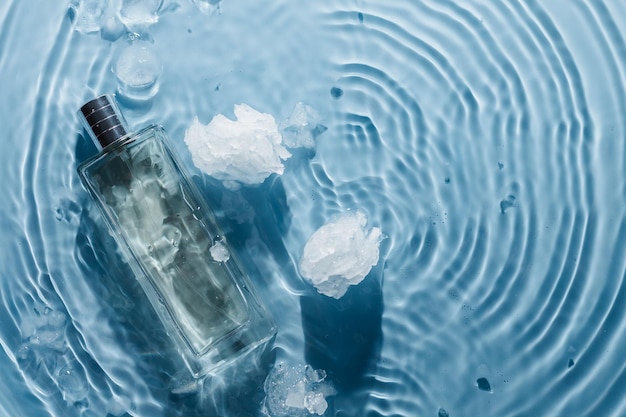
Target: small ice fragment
point(140, 12)
point(296, 395)
point(442, 413)
point(315, 403)
point(242, 151)
point(340, 254)
point(302, 127)
point(290, 392)
point(72, 382)
point(314, 375)
point(87, 15)
point(207, 6)
point(137, 69)
point(219, 252)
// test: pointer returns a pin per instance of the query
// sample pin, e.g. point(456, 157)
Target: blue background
point(485, 138)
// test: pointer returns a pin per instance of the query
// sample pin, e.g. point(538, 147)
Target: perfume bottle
point(172, 241)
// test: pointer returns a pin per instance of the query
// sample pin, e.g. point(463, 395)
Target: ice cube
point(87, 15)
point(140, 12)
point(72, 382)
point(242, 151)
point(302, 127)
point(340, 253)
point(137, 69)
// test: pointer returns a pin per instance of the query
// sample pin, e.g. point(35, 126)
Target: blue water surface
point(486, 139)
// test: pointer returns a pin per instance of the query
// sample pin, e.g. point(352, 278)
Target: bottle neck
point(103, 120)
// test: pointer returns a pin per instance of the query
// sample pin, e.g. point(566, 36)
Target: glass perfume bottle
point(172, 241)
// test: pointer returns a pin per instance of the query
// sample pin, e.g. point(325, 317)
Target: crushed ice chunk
point(302, 127)
point(316, 403)
point(219, 252)
point(295, 395)
point(340, 254)
point(242, 151)
point(296, 391)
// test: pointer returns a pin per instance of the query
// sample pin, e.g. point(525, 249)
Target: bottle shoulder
point(151, 132)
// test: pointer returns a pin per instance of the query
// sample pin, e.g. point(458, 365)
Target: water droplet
point(570, 363)
point(360, 17)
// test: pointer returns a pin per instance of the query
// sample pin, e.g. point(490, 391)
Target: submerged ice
point(302, 127)
point(242, 151)
point(137, 69)
point(45, 359)
point(296, 391)
point(340, 254)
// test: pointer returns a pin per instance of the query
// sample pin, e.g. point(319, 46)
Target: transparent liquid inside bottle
point(167, 232)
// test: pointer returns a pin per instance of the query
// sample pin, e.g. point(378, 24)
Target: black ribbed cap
point(103, 120)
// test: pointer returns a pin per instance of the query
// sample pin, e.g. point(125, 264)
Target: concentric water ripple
point(485, 139)
point(484, 114)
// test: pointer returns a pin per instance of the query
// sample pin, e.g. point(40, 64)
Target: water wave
point(484, 139)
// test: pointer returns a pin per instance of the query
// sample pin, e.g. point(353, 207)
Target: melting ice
point(137, 69)
point(296, 391)
point(242, 151)
point(340, 254)
point(302, 127)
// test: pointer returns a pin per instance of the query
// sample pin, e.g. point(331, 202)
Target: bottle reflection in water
point(167, 231)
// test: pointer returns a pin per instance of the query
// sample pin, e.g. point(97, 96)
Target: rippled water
point(486, 139)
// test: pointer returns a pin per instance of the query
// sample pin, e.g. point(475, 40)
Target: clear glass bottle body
point(167, 231)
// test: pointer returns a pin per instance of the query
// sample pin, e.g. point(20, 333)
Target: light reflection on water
point(485, 139)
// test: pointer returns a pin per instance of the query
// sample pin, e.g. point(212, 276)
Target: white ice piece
point(340, 254)
point(242, 151)
point(219, 252)
point(301, 127)
point(296, 391)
